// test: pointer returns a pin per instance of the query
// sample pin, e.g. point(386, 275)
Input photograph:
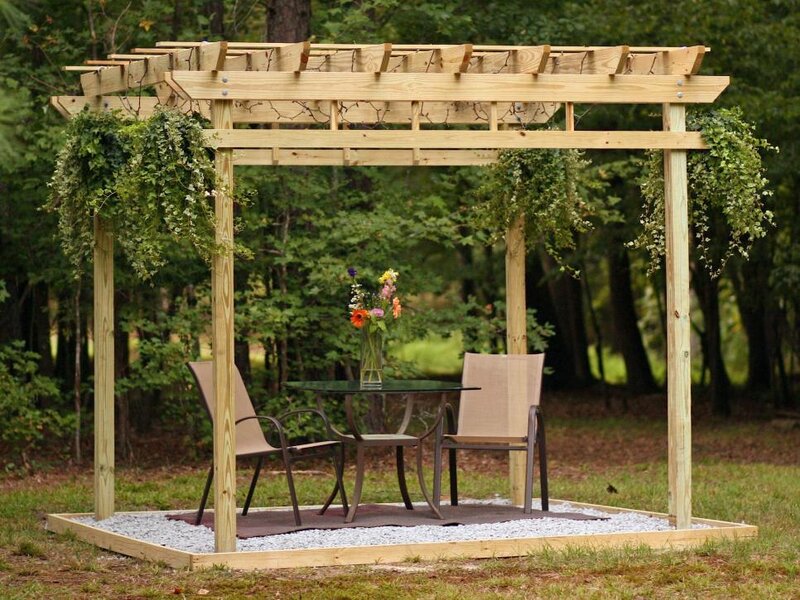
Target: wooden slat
point(524, 59)
point(108, 63)
point(103, 370)
point(222, 345)
point(437, 139)
point(455, 59)
point(678, 61)
point(455, 113)
point(411, 47)
point(291, 58)
point(151, 70)
point(363, 157)
point(373, 59)
point(608, 61)
point(679, 364)
point(624, 89)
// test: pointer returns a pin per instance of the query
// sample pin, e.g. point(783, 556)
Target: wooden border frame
point(674, 539)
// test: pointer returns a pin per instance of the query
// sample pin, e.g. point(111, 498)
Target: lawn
point(743, 472)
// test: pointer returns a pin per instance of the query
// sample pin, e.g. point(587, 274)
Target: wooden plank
point(679, 373)
point(607, 61)
point(222, 344)
point(455, 59)
point(103, 328)
point(440, 139)
point(677, 61)
point(166, 45)
point(315, 111)
point(291, 58)
point(150, 70)
point(516, 334)
point(373, 59)
point(672, 539)
point(64, 523)
point(363, 158)
point(446, 87)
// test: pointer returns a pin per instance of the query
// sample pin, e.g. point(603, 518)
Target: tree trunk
point(288, 20)
point(751, 285)
point(215, 11)
point(627, 337)
point(566, 297)
point(122, 438)
point(707, 290)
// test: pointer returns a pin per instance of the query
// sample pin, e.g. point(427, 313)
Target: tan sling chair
point(250, 440)
point(503, 415)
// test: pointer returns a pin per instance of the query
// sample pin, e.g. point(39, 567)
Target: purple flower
point(352, 272)
point(377, 312)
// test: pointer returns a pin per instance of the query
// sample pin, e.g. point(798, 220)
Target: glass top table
point(390, 386)
point(399, 389)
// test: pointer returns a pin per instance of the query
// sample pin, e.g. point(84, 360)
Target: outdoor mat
point(275, 522)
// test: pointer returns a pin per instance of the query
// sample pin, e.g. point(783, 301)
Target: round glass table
point(407, 389)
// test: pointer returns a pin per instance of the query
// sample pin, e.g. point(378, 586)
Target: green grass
point(34, 563)
point(434, 355)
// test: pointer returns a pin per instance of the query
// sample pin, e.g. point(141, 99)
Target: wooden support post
point(416, 108)
point(569, 116)
point(679, 403)
point(516, 333)
point(222, 344)
point(103, 370)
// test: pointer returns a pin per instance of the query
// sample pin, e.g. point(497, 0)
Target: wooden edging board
point(357, 555)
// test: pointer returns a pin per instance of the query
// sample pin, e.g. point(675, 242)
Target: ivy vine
point(727, 189)
point(541, 185)
point(148, 180)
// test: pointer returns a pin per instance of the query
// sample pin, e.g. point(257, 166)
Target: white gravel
point(157, 529)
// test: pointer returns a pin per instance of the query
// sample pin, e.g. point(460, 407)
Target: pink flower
point(387, 290)
point(377, 312)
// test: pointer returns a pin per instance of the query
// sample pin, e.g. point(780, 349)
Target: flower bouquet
point(372, 312)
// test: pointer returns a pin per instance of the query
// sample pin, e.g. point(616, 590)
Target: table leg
point(422, 485)
point(401, 477)
point(351, 514)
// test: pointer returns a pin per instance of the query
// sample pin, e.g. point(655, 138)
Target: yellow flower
point(388, 275)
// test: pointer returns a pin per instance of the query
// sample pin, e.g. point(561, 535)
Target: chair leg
point(252, 489)
point(453, 478)
point(401, 477)
point(351, 514)
point(540, 441)
point(203, 501)
point(287, 464)
point(529, 475)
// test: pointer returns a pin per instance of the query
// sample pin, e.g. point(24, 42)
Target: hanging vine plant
point(84, 181)
point(542, 186)
point(148, 180)
point(727, 189)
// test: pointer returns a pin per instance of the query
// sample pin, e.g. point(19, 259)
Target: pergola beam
point(317, 112)
point(447, 87)
point(439, 139)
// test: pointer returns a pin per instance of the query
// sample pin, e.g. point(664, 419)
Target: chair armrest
point(445, 410)
point(312, 411)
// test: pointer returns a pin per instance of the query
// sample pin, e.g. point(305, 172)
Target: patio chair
point(503, 415)
point(251, 442)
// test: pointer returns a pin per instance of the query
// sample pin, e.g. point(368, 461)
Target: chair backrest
point(510, 384)
point(249, 436)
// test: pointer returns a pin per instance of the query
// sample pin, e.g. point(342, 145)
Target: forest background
point(306, 226)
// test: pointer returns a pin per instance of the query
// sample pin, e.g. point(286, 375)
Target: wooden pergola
point(358, 105)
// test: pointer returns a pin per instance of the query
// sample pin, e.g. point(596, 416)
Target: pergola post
point(679, 376)
point(222, 343)
point(103, 370)
point(516, 333)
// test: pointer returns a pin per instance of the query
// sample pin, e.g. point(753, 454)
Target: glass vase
point(371, 375)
